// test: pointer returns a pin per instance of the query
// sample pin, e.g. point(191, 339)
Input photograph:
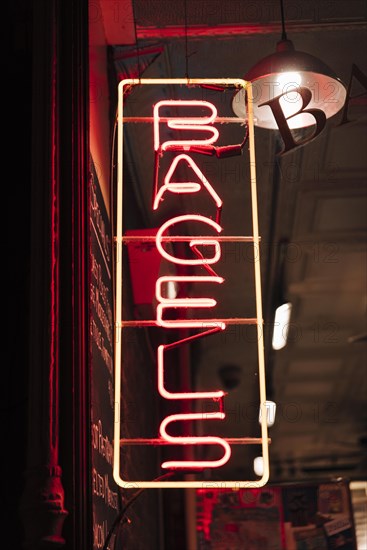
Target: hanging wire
point(284, 34)
point(121, 515)
point(136, 42)
point(119, 518)
point(186, 42)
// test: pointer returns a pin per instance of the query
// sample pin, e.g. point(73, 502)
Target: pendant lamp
point(283, 72)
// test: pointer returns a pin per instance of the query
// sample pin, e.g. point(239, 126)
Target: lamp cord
point(116, 523)
point(136, 42)
point(284, 34)
point(186, 43)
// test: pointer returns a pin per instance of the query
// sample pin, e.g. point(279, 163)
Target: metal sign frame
point(120, 324)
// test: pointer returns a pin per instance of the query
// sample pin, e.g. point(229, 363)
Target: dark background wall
point(16, 87)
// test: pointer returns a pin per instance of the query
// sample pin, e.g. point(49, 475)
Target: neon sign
point(187, 186)
point(196, 133)
point(184, 123)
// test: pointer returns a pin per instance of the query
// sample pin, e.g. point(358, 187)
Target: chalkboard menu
point(104, 490)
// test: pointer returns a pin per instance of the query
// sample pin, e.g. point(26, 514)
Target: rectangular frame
point(119, 323)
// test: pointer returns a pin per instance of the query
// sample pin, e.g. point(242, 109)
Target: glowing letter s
point(205, 440)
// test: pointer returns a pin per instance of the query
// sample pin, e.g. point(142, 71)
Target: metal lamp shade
point(282, 73)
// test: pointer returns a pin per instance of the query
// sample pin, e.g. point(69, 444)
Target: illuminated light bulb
point(281, 326)
point(270, 78)
point(291, 102)
point(287, 81)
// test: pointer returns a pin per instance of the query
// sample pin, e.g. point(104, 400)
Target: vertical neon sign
point(189, 126)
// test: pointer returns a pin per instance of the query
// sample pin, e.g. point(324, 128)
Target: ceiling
point(313, 224)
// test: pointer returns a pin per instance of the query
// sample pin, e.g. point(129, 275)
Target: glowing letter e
point(167, 303)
